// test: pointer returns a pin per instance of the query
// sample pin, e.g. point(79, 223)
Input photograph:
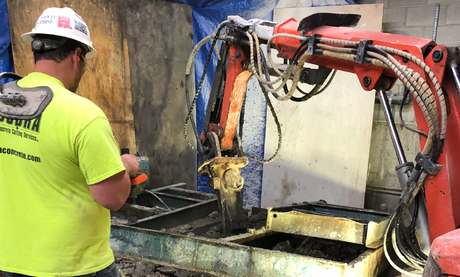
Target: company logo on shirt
point(27, 126)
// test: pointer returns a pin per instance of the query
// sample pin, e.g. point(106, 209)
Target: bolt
point(304, 76)
point(367, 81)
point(437, 55)
point(244, 64)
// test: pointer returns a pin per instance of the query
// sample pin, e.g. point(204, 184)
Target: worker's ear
point(76, 56)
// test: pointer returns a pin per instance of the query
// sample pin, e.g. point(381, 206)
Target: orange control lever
point(138, 178)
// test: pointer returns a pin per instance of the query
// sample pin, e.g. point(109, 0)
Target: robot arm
point(378, 60)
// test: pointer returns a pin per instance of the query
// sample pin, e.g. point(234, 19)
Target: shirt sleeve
point(97, 151)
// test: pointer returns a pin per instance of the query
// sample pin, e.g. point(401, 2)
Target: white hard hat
point(62, 22)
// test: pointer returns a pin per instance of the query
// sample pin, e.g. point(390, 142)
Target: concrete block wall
point(416, 18)
point(413, 18)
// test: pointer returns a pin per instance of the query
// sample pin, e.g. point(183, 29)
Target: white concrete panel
point(326, 139)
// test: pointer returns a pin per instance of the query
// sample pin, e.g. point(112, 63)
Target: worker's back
point(46, 165)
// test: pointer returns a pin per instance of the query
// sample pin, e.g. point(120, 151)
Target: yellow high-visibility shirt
point(49, 223)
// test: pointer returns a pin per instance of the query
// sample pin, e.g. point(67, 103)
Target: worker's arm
point(112, 192)
point(98, 156)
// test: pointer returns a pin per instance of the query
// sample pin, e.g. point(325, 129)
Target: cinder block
point(394, 15)
point(391, 27)
point(382, 158)
point(405, 31)
point(287, 4)
point(453, 14)
point(407, 3)
point(428, 32)
point(442, 14)
point(443, 1)
point(448, 35)
point(420, 16)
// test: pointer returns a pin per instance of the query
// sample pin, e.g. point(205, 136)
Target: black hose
point(412, 239)
point(294, 60)
point(406, 246)
point(191, 106)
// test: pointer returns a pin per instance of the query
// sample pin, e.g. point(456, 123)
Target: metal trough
point(231, 257)
point(165, 207)
point(332, 222)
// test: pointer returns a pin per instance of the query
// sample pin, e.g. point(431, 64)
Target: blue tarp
point(206, 17)
point(6, 56)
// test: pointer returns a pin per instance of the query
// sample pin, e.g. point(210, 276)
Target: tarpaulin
point(207, 15)
point(6, 56)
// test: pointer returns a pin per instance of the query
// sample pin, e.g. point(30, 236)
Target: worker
point(60, 173)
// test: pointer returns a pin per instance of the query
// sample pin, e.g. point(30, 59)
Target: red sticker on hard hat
point(64, 22)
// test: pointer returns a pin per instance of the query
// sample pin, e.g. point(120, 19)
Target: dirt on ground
point(134, 267)
point(321, 248)
point(211, 227)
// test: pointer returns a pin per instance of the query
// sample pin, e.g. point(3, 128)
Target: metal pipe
point(436, 20)
point(391, 124)
point(456, 75)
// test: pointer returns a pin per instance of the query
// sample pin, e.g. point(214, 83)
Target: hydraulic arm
point(429, 184)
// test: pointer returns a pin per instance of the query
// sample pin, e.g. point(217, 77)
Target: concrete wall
point(413, 18)
point(159, 42)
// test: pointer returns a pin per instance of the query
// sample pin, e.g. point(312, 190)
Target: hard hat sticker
point(64, 22)
point(80, 26)
point(46, 19)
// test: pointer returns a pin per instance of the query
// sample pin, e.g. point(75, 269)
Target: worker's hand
point(131, 164)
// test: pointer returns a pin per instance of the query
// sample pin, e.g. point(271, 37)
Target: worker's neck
point(59, 71)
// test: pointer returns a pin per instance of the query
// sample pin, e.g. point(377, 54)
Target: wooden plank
point(326, 139)
point(107, 80)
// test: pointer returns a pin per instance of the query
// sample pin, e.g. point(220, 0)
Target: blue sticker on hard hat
point(80, 26)
point(64, 22)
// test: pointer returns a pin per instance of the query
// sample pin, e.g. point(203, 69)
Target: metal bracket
point(314, 76)
point(362, 47)
point(228, 184)
point(312, 43)
point(426, 163)
point(241, 22)
point(13, 99)
point(14, 103)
